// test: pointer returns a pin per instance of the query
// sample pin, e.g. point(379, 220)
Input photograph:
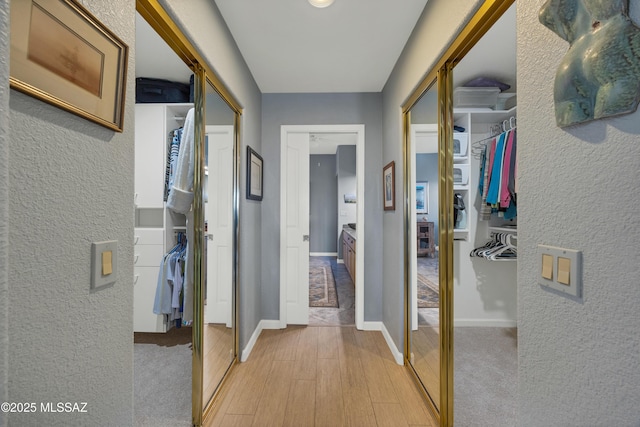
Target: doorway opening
point(332, 228)
point(297, 237)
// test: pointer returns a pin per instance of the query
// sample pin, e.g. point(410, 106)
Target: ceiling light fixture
point(321, 3)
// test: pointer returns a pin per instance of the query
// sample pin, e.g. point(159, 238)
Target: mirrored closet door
point(424, 284)
point(218, 333)
point(205, 141)
point(430, 119)
point(485, 229)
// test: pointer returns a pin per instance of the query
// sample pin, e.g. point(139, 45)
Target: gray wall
point(4, 195)
point(72, 182)
point(312, 109)
point(201, 21)
point(427, 170)
point(440, 21)
point(575, 357)
point(323, 203)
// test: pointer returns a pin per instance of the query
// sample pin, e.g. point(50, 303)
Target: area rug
point(428, 293)
point(322, 286)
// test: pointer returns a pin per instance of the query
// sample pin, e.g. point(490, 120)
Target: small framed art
point(389, 187)
point(254, 175)
point(422, 197)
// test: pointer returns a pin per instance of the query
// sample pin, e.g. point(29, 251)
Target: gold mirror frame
point(162, 23)
point(442, 74)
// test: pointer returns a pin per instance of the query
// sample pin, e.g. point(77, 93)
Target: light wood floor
point(217, 350)
point(425, 348)
point(320, 376)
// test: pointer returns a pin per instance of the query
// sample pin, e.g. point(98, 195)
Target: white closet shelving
point(155, 225)
point(477, 123)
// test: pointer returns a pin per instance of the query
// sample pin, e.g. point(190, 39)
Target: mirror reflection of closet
point(424, 299)
point(485, 284)
point(218, 332)
point(473, 296)
point(189, 357)
point(162, 371)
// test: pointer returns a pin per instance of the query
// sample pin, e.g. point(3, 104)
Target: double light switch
point(560, 269)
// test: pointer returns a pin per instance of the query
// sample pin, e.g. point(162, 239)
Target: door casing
point(360, 235)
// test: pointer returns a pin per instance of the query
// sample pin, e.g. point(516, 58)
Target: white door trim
point(360, 237)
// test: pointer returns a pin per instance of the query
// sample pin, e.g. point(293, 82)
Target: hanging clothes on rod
point(173, 148)
point(180, 200)
point(498, 176)
point(169, 298)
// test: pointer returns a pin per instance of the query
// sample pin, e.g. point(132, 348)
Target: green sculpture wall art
point(599, 75)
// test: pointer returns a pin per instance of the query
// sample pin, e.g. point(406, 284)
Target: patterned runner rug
point(428, 293)
point(322, 286)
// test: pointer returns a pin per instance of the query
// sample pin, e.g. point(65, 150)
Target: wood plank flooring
point(217, 352)
point(320, 376)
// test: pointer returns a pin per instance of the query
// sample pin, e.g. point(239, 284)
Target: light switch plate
point(574, 287)
point(98, 280)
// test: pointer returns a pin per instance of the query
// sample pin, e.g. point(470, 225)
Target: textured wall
point(578, 360)
point(201, 21)
point(441, 20)
point(323, 201)
point(4, 196)
point(71, 183)
point(321, 109)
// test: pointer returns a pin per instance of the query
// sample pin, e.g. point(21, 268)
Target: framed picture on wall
point(62, 55)
point(422, 197)
point(254, 175)
point(389, 187)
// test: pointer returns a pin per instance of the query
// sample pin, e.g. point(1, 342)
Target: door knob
point(305, 238)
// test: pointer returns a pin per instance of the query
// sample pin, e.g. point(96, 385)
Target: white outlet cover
point(97, 248)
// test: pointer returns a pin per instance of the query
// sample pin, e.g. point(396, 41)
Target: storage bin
point(460, 175)
point(460, 144)
point(150, 90)
point(506, 101)
point(475, 97)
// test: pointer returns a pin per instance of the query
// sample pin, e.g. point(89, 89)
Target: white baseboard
point(323, 254)
point(379, 326)
point(397, 355)
point(486, 323)
point(372, 326)
point(263, 324)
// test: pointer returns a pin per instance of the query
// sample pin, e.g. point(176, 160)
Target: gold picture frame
point(62, 55)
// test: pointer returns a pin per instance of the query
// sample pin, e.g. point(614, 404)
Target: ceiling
point(350, 46)
point(154, 58)
point(292, 47)
point(327, 142)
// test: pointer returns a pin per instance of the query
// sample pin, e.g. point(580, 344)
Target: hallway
point(320, 376)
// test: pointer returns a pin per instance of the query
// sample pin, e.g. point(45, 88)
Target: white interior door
point(294, 260)
point(219, 218)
